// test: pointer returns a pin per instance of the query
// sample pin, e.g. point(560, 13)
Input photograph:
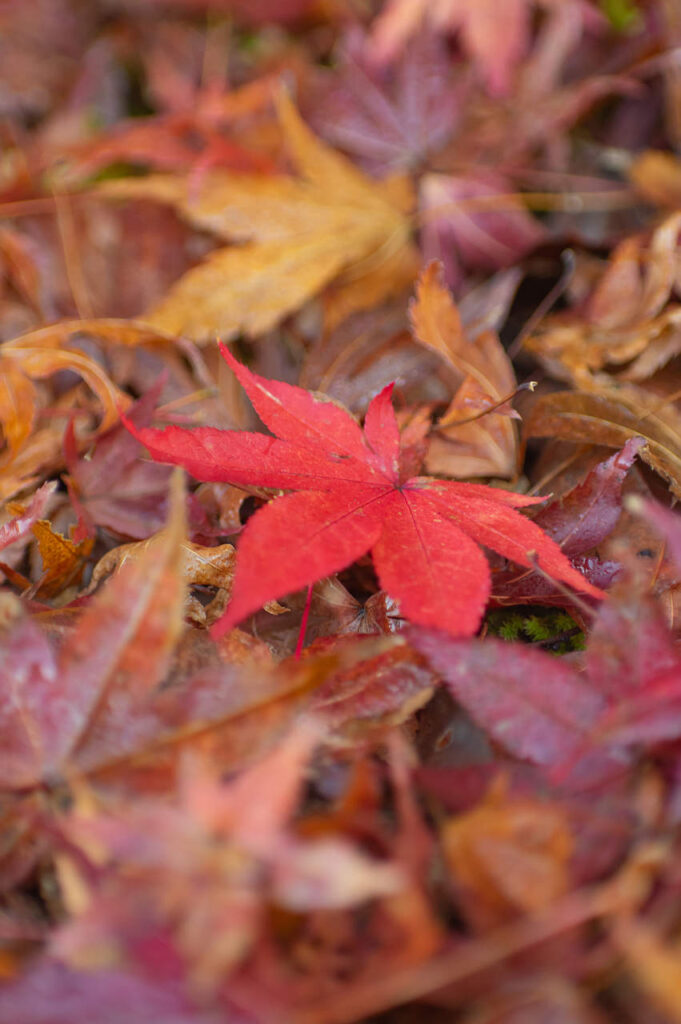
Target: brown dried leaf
point(611, 420)
point(622, 319)
point(63, 558)
point(198, 566)
point(34, 360)
point(486, 447)
point(509, 856)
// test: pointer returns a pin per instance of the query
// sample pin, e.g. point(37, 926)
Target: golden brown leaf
point(299, 233)
point(486, 447)
point(611, 420)
point(199, 566)
point(40, 354)
point(623, 319)
point(63, 558)
point(508, 855)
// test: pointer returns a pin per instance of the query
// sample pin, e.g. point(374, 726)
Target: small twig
point(446, 421)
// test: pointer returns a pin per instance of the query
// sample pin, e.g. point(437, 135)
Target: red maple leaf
point(354, 493)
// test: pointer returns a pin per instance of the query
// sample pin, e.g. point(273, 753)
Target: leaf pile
point(340, 568)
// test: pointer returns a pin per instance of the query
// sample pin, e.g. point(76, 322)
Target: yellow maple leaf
point(296, 233)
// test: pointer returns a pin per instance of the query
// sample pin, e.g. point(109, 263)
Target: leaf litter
point(371, 710)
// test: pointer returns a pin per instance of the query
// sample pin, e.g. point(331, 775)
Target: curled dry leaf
point(624, 320)
point(199, 567)
point(36, 361)
point(612, 420)
point(487, 446)
point(297, 235)
point(40, 354)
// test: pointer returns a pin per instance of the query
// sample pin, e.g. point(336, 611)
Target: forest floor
point(340, 570)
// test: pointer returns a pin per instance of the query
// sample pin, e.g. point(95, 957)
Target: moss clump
point(550, 628)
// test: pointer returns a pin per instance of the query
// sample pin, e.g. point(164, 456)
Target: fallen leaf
point(114, 488)
point(25, 515)
point(612, 420)
point(392, 117)
point(359, 500)
point(534, 705)
point(588, 513)
point(117, 654)
point(486, 447)
point(625, 320)
point(63, 558)
point(508, 856)
point(299, 233)
point(468, 230)
point(496, 39)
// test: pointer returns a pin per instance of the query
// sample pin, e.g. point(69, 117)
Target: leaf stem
point(303, 623)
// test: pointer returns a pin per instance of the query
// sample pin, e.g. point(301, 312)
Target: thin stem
point(303, 623)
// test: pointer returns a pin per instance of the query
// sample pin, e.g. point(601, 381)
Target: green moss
point(623, 15)
point(550, 628)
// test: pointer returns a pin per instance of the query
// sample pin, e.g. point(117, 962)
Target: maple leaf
point(299, 233)
point(352, 496)
point(494, 35)
point(392, 117)
point(63, 557)
point(484, 447)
